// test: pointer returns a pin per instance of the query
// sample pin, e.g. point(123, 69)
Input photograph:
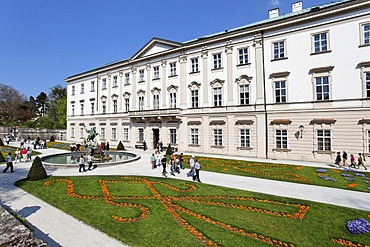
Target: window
point(194, 98)
point(102, 133)
point(125, 134)
point(278, 49)
point(173, 71)
point(217, 96)
point(73, 109)
point(322, 87)
point(243, 56)
point(156, 72)
point(320, 42)
point(173, 100)
point(82, 109)
point(156, 101)
point(104, 107)
point(141, 103)
point(194, 136)
point(82, 88)
point(115, 106)
point(73, 90)
point(194, 65)
point(217, 137)
point(217, 61)
point(245, 139)
point(127, 78)
point(281, 139)
point(92, 86)
point(81, 132)
point(92, 107)
point(141, 75)
point(72, 131)
point(115, 81)
point(365, 34)
point(244, 94)
point(280, 91)
point(127, 105)
point(173, 136)
point(104, 84)
point(324, 140)
point(367, 82)
point(141, 135)
point(114, 133)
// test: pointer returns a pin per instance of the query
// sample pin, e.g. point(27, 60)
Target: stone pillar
point(229, 71)
point(148, 72)
point(133, 93)
point(120, 83)
point(182, 90)
point(205, 76)
point(164, 79)
point(109, 87)
point(261, 137)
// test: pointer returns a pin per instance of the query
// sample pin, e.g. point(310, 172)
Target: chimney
point(273, 13)
point(297, 6)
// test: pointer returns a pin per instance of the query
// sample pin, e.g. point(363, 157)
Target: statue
point(91, 134)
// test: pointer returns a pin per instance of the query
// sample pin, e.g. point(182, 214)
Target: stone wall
point(14, 233)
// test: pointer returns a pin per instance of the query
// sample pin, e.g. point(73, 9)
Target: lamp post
point(301, 128)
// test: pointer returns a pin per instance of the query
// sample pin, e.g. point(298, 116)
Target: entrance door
point(155, 138)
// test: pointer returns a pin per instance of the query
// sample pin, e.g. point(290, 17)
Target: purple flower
point(358, 226)
point(321, 170)
point(345, 175)
point(359, 175)
point(349, 178)
point(327, 178)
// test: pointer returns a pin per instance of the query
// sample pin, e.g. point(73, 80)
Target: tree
point(45, 123)
point(62, 112)
point(37, 170)
point(42, 103)
point(58, 106)
point(10, 102)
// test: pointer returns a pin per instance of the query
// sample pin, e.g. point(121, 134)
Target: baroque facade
point(294, 86)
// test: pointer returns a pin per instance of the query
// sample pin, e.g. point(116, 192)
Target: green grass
point(142, 211)
point(284, 172)
point(65, 146)
point(6, 149)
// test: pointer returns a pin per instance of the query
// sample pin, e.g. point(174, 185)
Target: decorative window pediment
point(280, 74)
point(155, 90)
point(126, 95)
point(172, 89)
point(194, 85)
point(103, 98)
point(141, 92)
point(243, 79)
point(114, 97)
point(217, 83)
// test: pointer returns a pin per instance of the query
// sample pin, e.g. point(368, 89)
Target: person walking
point(144, 145)
point(164, 163)
point(181, 161)
point(17, 156)
point(29, 153)
point(9, 163)
point(191, 164)
point(345, 156)
point(197, 170)
point(89, 160)
point(81, 164)
point(24, 154)
point(352, 160)
point(360, 161)
point(152, 161)
point(338, 159)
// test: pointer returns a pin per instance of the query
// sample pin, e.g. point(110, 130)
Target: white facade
point(291, 87)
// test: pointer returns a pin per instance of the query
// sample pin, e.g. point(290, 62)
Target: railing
point(156, 113)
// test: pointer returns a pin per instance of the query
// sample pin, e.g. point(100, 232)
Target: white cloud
point(274, 3)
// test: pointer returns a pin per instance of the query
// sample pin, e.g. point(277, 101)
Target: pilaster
point(183, 59)
point(205, 75)
point(205, 130)
point(164, 82)
point(148, 73)
point(229, 59)
point(133, 92)
point(259, 68)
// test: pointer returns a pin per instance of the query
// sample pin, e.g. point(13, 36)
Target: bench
point(139, 146)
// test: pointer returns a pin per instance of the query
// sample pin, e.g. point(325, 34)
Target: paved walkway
point(59, 229)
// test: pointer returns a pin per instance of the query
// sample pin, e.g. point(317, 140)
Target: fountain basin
point(71, 159)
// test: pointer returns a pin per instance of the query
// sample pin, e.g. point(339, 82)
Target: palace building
point(294, 86)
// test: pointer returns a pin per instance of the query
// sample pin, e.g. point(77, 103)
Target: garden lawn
point(6, 149)
point(288, 173)
point(65, 146)
point(142, 211)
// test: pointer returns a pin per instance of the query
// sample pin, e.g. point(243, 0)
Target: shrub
point(2, 159)
point(52, 139)
point(1, 142)
point(37, 171)
point(120, 146)
point(169, 150)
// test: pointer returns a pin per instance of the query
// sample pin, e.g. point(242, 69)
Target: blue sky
point(42, 41)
